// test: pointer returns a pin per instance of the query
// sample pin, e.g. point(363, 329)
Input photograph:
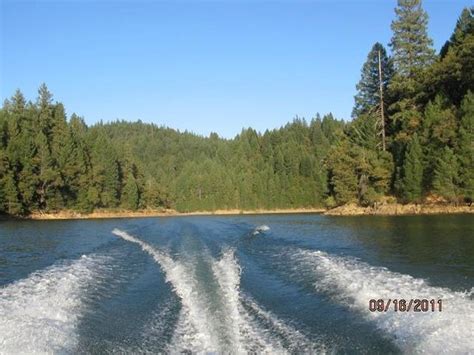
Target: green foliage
point(10, 195)
point(153, 196)
point(368, 89)
point(439, 130)
point(413, 171)
point(343, 181)
point(439, 124)
point(105, 179)
point(464, 27)
point(412, 55)
point(48, 163)
point(446, 172)
point(411, 45)
point(130, 193)
point(363, 132)
point(453, 74)
point(358, 174)
point(465, 147)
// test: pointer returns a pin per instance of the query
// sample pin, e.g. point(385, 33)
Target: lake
point(297, 283)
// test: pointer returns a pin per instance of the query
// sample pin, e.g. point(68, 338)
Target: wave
point(194, 323)
point(219, 322)
point(40, 313)
point(261, 229)
point(245, 333)
point(354, 283)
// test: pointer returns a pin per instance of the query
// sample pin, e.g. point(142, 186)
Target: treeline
point(411, 137)
point(48, 163)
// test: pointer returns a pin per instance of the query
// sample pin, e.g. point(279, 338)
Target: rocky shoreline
point(396, 209)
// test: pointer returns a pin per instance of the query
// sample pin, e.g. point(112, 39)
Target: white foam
point(244, 332)
point(195, 327)
point(202, 327)
point(39, 314)
point(298, 342)
point(354, 283)
point(261, 229)
point(227, 272)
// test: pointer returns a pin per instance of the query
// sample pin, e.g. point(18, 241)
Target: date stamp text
point(406, 305)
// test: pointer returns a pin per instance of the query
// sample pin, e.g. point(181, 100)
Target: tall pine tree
point(465, 147)
point(453, 75)
point(412, 54)
point(445, 182)
point(464, 27)
point(368, 88)
point(413, 171)
point(411, 45)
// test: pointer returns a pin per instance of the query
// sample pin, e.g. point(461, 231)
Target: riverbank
point(395, 209)
point(102, 214)
point(392, 209)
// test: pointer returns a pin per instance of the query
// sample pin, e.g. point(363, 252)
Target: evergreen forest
point(411, 138)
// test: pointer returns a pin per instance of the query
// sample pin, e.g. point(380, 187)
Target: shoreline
point(64, 215)
point(397, 209)
point(345, 210)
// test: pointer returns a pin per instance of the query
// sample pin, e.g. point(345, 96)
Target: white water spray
point(261, 229)
point(195, 323)
point(354, 283)
point(39, 314)
point(200, 329)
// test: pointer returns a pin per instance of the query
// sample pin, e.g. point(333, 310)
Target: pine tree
point(79, 168)
point(382, 172)
point(362, 131)
point(464, 26)
point(445, 182)
point(439, 129)
point(306, 166)
point(343, 179)
point(368, 88)
point(44, 104)
point(130, 194)
point(18, 103)
point(465, 150)
point(3, 171)
point(152, 196)
point(11, 198)
point(453, 75)
point(413, 171)
point(412, 54)
point(105, 171)
point(61, 146)
point(47, 176)
point(439, 124)
point(411, 45)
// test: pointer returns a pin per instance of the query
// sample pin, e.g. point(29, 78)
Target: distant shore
point(393, 209)
point(396, 209)
point(102, 214)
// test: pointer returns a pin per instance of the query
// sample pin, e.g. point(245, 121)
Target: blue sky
point(205, 66)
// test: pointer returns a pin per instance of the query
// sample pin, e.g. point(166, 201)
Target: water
point(265, 284)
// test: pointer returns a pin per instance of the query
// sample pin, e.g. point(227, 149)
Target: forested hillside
point(411, 136)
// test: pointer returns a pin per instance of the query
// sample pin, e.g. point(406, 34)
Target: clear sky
point(205, 66)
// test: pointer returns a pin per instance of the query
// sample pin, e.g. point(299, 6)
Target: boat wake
point(261, 229)
point(40, 313)
point(226, 319)
point(353, 283)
